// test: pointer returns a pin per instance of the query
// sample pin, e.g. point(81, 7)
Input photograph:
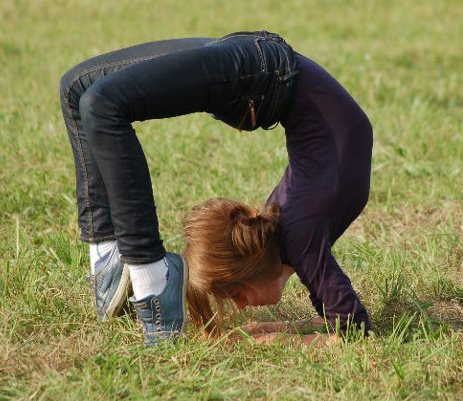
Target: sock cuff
point(148, 279)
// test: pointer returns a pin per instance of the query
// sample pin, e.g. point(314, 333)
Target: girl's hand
point(277, 327)
point(265, 327)
point(310, 339)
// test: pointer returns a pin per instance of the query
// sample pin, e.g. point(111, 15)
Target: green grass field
point(402, 61)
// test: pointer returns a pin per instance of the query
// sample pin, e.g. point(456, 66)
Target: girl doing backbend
point(248, 80)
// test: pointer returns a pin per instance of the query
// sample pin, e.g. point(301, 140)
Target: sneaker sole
point(120, 296)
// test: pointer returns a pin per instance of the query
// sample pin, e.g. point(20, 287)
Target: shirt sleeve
point(309, 252)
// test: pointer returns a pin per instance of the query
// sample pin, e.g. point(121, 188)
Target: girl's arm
point(309, 252)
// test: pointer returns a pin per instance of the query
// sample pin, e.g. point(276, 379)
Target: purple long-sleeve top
point(324, 188)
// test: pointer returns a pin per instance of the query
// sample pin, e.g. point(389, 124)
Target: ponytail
point(253, 230)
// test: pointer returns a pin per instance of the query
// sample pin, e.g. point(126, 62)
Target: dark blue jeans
point(243, 79)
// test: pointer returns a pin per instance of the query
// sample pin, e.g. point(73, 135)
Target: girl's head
point(231, 249)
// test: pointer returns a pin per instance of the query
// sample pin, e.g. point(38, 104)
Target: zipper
point(250, 109)
point(253, 113)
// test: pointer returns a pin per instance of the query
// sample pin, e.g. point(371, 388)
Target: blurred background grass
point(401, 60)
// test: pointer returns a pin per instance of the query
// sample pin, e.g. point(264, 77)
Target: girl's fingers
point(317, 340)
point(264, 327)
point(268, 338)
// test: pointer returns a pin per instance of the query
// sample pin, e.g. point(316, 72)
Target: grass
point(400, 59)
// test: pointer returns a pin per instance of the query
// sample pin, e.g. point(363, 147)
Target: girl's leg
point(174, 84)
point(92, 200)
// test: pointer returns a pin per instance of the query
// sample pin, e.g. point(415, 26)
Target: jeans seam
point(287, 58)
point(288, 64)
point(263, 64)
point(73, 117)
point(276, 96)
point(236, 36)
point(110, 64)
point(82, 160)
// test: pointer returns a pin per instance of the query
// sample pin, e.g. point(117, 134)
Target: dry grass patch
point(448, 312)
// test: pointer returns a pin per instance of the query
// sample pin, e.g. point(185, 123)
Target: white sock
point(148, 279)
point(99, 253)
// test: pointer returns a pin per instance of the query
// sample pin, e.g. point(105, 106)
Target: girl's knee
point(65, 86)
point(100, 111)
point(91, 108)
point(70, 88)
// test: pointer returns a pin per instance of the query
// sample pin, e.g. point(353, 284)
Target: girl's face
point(264, 292)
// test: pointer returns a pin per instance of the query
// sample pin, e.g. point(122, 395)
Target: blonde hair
point(228, 243)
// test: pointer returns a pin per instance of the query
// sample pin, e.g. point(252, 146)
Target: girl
point(247, 80)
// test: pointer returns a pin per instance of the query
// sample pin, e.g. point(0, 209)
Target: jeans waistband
point(264, 104)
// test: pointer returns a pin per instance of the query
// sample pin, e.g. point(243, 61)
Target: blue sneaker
point(164, 316)
point(111, 286)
